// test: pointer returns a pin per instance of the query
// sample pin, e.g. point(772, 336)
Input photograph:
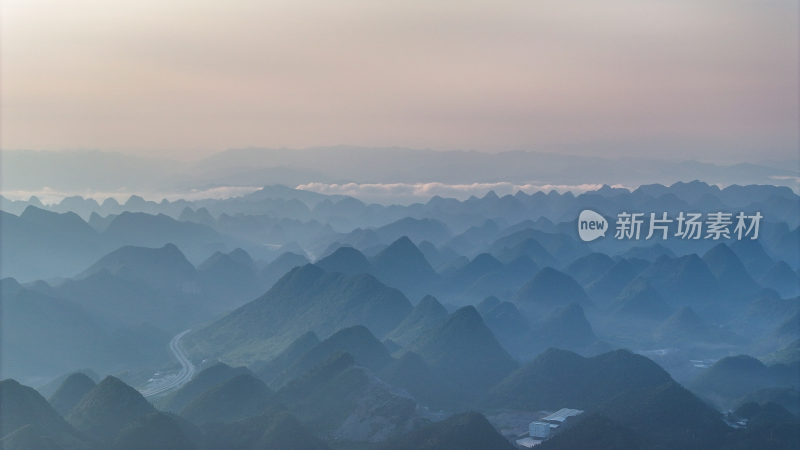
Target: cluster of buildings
point(541, 430)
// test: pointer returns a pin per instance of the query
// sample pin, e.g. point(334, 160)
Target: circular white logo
point(591, 225)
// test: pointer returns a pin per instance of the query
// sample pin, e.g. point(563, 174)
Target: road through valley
point(172, 381)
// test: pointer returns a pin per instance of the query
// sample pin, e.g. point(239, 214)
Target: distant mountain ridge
point(321, 321)
point(328, 165)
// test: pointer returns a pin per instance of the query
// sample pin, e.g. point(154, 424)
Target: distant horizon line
point(391, 193)
point(200, 155)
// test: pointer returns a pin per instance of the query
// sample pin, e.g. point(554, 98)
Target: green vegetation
point(306, 299)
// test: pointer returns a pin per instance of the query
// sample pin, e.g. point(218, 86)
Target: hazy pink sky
point(712, 80)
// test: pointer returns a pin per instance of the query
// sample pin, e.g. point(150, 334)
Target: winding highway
point(172, 381)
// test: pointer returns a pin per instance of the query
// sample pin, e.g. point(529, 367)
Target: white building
point(539, 430)
point(561, 415)
point(527, 442)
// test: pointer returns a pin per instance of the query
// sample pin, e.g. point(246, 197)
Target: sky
point(713, 80)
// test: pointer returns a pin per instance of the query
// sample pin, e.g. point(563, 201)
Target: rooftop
point(562, 414)
point(528, 442)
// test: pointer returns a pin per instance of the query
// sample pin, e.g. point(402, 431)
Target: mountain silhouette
point(655, 413)
point(411, 373)
point(550, 288)
point(733, 278)
point(609, 285)
point(238, 398)
point(108, 408)
point(596, 432)
point(346, 260)
point(507, 323)
point(559, 378)
point(733, 377)
point(403, 265)
point(340, 399)
point(413, 228)
point(686, 326)
point(356, 341)
point(158, 430)
point(426, 315)
point(640, 300)
point(64, 335)
point(468, 430)
point(164, 268)
point(230, 275)
point(465, 352)
point(471, 272)
point(590, 267)
point(753, 256)
point(149, 230)
point(74, 387)
point(565, 327)
point(528, 248)
point(67, 222)
point(206, 379)
point(271, 430)
point(783, 279)
point(280, 266)
point(686, 280)
point(43, 244)
point(305, 299)
point(27, 419)
point(270, 370)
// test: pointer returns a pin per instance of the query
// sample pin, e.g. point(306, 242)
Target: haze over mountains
point(395, 175)
point(285, 318)
point(399, 225)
